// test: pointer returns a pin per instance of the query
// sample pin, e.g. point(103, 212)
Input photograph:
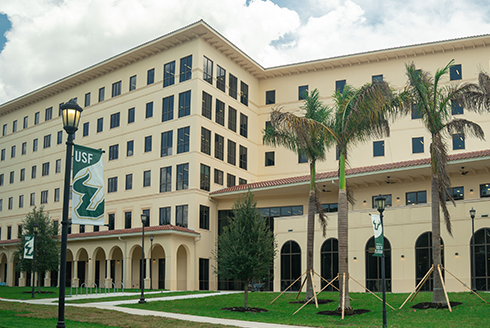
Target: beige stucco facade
point(179, 252)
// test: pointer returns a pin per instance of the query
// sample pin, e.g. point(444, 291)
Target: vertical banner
point(87, 186)
point(378, 235)
point(28, 247)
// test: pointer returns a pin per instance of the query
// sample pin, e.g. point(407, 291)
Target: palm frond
point(442, 202)
point(468, 128)
point(322, 217)
point(476, 97)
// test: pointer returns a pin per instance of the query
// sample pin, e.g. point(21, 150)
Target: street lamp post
point(473, 276)
point(380, 205)
point(34, 227)
point(151, 262)
point(70, 114)
point(144, 217)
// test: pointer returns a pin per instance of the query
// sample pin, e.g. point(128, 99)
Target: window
point(36, 119)
point(340, 85)
point(112, 184)
point(220, 78)
point(147, 178)
point(24, 148)
point(205, 177)
point(85, 129)
point(3, 154)
point(9, 232)
point(101, 94)
point(169, 74)
point(4, 132)
point(116, 88)
point(149, 110)
point(377, 78)
point(417, 145)
point(219, 146)
point(182, 176)
point(131, 115)
point(456, 108)
point(205, 141)
point(457, 193)
point(12, 152)
point(14, 126)
point(165, 213)
point(166, 179)
point(244, 93)
point(32, 199)
point(12, 177)
point(47, 141)
point(388, 201)
point(87, 99)
point(113, 152)
point(26, 122)
point(130, 148)
point(22, 175)
point(57, 195)
point(147, 144)
point(458, 141)
point(416, 114)
point(378, 148)
point(181, 215)
point(243, 157)
point(166, 147)
point(11, 203)
point(21, 201)
point(243, 125)
point(485, 190)
point(115, 120)
point(231, 152)
point(207, 100)
point(220, 112)
point(185, 68)
point(112, 221)
point(59, 138)
point(129, 181)
point(242, 181)
point(302, 92)
point(203, 217)
point(81, 228)
point(233, 86)
point(100, 124)
point(48, 114)
point(416, 197)
point(230, 180)
point(218, 176)
point(57, 166)
point(44, 197)
point(132, 82)
point(60, 111)
point(270, 97)
point(168, 109)
point(183, 140)
point(208, 70)
point(45, 170)
point(455, 72)
point(128, 216)
point(269, 158)
point(302, 158)
point(33, 172)
point(232, 118)
point(150, 76)
point(185, 103)
point(147, 213)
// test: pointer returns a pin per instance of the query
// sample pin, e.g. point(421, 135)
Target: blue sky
point(50, 39)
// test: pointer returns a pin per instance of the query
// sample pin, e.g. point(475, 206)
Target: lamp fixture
point(456, 254)
point(403, 256)
point(355, 258)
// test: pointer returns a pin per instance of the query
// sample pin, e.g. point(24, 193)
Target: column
point(22, 279)
point(75, 279)
point(147, 278)
point(108, 279)
point(91, 272)
point(47, 279)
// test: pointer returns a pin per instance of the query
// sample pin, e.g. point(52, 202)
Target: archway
point(69, 269)
point(100, 266)
point(3, 267)
point(136, 267)
point(329, 262)
point(482, 259)
point(116, 265)
point(423, 259)
point(373, 266)
point(158, 267)
point(82, 266)
point(290, 265)
point(181, 268)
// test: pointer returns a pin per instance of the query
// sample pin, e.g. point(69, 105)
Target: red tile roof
point(357, 170)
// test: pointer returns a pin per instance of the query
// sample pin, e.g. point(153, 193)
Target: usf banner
point(28, 247)
point(378, 237)
point(87, 186)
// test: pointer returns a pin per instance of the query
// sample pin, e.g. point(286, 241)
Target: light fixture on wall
point(471, 191)
point(118, 262)
point(364, 202)
point(456, 254)
point(403, 256)
point(355, 258)
point(398, 198)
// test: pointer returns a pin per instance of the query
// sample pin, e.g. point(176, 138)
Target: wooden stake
point(444, 287)
point(343, 295)
point(316, 294)
point(471, 290)
point(416, 287)
point(424, 280)
point(288, 288)
point(302, 284)
point(329, 282)
point(350, 277)
point(313, 286)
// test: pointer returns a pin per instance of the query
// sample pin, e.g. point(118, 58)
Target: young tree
point(47, 244)
point(247, 247)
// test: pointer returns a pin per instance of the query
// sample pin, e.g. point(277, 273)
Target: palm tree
point(295, 133)
point(433, 103)
point(477, 96)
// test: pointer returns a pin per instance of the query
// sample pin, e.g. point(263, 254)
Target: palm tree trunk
point(438, 293)
point(343, 230)
point(310, 232)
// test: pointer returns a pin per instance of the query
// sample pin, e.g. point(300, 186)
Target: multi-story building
point(181, 119)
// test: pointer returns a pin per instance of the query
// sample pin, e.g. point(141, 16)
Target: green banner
point(28, 247)
point(378, 235)
point(87, 186)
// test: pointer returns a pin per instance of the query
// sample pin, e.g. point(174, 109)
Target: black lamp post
point(70, 114)
point(144, 217)
point(380, 205)
point(34, 227)
point(473, 276)
point(151, 261)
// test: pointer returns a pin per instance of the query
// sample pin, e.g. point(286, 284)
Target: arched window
point(482, 259)
point(330, 262)
point(423, 259)
point(290, 265)
point(373, 266)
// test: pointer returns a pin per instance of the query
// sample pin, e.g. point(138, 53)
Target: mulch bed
point(355, 312)
point(429, 305)
point(245, 310)
point(312, 302)
point(36, 292)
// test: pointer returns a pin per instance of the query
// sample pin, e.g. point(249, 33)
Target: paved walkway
point(112, 306)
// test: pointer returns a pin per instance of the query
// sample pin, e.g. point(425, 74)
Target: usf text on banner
point(88, 186)
point(378, 235)
point(28, 247)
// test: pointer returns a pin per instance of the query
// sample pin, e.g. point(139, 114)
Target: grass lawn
point(136, 297)
point(472, 313)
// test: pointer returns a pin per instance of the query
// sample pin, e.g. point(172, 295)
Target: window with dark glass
point(128, 218)
point(302, 92)
point(416, 197)
point(129, 181)
point(388, 200)
point(417, 145)
point(181, 213)
point(166, 144)
point(458, 141)
point(45, 169)
point(59, 138)
point(220, 78)
point(242, 181)
point(9, 232)
point(48, 114)
point(32, 200)
point(1, 179)
point(166, 179)
point(148, 144)
point(455, 72)
point(165, 213)
point(4, 131)
point(207, 101)
point(115, 120)
point(101, 94)
point(205, 177)
point(456, 193)
point(169, 74)
point(220, 112)
point(26, 122)
point(21, 202)
point(185, 103)
point(233, 86)
point(58, 166)
point(3, 155)
point(232, 117)
point(130, 115)
point(244, 93)
point(243, 157)
point(185, 68)
point(168, 108)
point(34, 144)
point(12, 151)
point(231, 152)
point(85, 129)
point(12, 175)
point(218, 176)
point(302, 158)
point(130, 148)
point(269, 158)
point(147, 213)
point(378, 148)
point(116, 88)
point(203, 217)
point(219, 146)
point(132, 82)
point(60, 111)
point(456, 108)
point(149, 110)
point(340, 85)
point(208, 70)
point(182, 176)
point(33, 171)
point(205, 141)
point(270, 97)
point(22, 176)
point(377, 78)
point(485, 190)
point(36, 120)
point(14, 126)
point(150, 76)
point(230, 180)
point(183, 135)
point(57, 194)
point(147, 178)
point(416, 114)
point(112, 184)
point(330, 207)
point(47, 141)
point(100, 124)
point(112, 221)
point(44, 197)
point(113, 152)
point(243, 125)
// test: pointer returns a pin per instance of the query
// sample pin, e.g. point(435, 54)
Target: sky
point(42, 41)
